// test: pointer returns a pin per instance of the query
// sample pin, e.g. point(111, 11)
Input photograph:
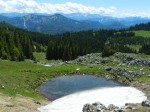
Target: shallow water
point(65, 85)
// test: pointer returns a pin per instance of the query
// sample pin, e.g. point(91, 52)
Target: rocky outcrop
point(129, 107)
point(122, 75)
point(91, 59)
point(117, 72)
point(124, 57)
point(130, 59)
point(146, 103)
point(89, 108)
point(140, 62)
point(121, 59)
point(99, 107)
point(112, 107)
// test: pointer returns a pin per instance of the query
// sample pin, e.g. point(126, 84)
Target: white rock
point(78, 69)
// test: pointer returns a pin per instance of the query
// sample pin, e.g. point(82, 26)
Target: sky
point(117, 8)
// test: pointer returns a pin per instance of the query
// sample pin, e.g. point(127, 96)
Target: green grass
point(40, 56)
point(24, 77)
point(142, 33)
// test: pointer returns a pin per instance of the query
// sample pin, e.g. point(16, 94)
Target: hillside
point(68, 46)
point(14, 44)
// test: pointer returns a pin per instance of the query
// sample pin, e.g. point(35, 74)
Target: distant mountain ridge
point(143, 26)
point(127, 21)
point(50, 24)
point(60, 23)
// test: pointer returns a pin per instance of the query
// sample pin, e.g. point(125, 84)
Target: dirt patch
point(19, 104)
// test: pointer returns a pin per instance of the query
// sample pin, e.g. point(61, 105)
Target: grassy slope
point(142, 33)
point(23, 77)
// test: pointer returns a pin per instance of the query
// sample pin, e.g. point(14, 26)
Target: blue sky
point(117, 8)
point(136, 5)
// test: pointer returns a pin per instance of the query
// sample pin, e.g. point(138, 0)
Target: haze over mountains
point(60, 23)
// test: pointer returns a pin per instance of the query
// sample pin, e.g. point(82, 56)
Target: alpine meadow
point(74, 56)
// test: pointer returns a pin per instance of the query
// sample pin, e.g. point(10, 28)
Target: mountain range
point(60, 23)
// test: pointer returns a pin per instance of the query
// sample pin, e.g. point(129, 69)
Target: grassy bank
point(24, 77)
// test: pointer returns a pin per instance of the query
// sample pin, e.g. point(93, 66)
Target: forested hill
point(17, 44)
point(143, 26)
point(14, 43)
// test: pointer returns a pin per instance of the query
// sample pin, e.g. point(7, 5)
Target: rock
point(89, 59)
point(89, 108)
point(95, 107)
point(117, 71)
point(37, 102)
point(99, 106)
point(3, 87)
point(140, 62)
point(108, 69)
point(146, 103)
point(108, 77)
point(121, 72)
point(128, 107)
point(77, 69)
point(10, 105)
point(119, 110)
point(112, 107)
point(124, 57)
point(141, 69)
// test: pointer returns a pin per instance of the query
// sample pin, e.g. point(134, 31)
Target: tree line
point(146, 44)
point(17, 44)
point(14, 45)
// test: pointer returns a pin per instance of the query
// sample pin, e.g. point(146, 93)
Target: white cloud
point(32, 6)
point(2, 4)
point(132, 14)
